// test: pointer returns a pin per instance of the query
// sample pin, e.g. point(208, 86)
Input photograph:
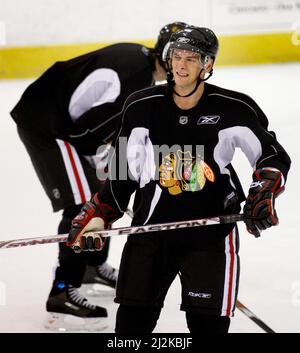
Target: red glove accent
point(259, 209)
point(94, 216)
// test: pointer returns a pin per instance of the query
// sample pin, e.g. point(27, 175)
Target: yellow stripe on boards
point(246, 49)
point(258, 49)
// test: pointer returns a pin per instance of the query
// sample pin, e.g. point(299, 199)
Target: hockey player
point(195, 127)
point(62, 118)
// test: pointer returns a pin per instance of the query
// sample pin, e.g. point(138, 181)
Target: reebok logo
point(255, 184)
point(200, 295)
point(208, 119)
point(183, 40)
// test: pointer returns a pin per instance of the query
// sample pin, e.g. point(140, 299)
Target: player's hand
point(94, 217)
point(259, 209)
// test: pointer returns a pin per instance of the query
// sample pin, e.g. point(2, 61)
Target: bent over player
point(62, 118)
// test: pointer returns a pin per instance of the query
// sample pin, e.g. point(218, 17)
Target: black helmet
point(165, 34)
point(196, 39)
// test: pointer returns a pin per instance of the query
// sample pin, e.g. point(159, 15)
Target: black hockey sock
point(213, 324)
point(136, 320)
point(71, 265)
point(70, 213)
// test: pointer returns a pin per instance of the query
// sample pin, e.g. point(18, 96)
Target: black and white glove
point(94, 216)
point(259, 209)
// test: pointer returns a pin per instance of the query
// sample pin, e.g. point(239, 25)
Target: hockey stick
point(253, 317)
point(128, 230)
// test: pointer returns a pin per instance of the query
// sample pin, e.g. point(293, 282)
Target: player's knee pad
point(198, 323)
point(131, 319)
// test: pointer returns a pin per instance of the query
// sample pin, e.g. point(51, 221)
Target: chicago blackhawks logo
point(181, 172)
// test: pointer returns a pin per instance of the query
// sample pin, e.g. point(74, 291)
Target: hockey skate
point(70, 311)
point(100, 281)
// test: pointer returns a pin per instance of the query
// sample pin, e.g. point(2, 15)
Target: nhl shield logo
point(183, 120)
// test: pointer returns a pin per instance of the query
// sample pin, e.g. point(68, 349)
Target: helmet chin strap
point(199, 80)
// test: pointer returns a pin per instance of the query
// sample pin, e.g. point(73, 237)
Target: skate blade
point(64, 323)
point(97, 290)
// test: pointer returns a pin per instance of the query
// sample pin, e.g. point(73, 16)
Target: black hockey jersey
point(79, 100)
point(179, 161)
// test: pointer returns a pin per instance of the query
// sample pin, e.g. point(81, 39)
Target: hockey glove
point(259, 209)
point(94, 216)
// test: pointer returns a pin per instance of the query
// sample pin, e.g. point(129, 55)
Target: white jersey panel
point(140, 156)
point(231, 138)
point(100, 87)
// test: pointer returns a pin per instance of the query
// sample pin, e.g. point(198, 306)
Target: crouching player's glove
point(259, 209)
point(94, 216)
